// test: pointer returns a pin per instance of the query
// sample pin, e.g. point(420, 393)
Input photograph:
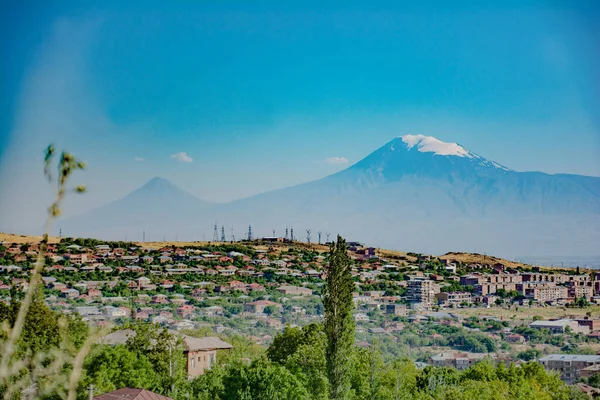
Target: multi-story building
point(575, 280)
point(471, 280)
point(557, 326)
point(454, 298)
point(591, 324)
point(458, 360)
point(569, 365)
point(422, 291)
point(396, 309)
point(578, 292)
point(490, 283)
point(547, 293)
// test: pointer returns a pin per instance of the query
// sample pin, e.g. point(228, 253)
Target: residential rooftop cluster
point(417, 305)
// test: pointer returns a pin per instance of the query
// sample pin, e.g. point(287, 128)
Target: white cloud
point(138, 159)
point(336, 160)
point(182, 157)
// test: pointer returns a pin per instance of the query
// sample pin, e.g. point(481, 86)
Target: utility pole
point(319, 233)
point(308, 236)
point(91, 392)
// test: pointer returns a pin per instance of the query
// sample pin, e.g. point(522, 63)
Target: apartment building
point(454, 298)
point(458, 360)
point(578, 292)
point(547, 293)
point(557, 326)
point(396, 309)
point(569, 365)
point(422, 291)
point(574, 280)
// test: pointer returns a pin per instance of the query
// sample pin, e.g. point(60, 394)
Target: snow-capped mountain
point(415, 193)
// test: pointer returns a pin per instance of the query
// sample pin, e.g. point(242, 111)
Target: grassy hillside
point(23, 239)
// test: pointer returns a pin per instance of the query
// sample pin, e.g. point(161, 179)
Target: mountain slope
point(419, 193)
point(158, 208)
point(414, 193)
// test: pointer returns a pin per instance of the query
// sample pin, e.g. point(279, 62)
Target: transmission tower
point(222, 233)
point(292, 234)
point(286, 234)
point(249, 232)
point(308, 236)
point(327, 234)
point(144, 236)
point(215, 233)
point(232, 234)
point(273, 232)
point(319, 233)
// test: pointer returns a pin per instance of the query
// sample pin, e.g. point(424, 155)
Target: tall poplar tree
point(339, 323)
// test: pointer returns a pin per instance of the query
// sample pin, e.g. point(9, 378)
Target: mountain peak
point(429, 144)
point(158, 182)
point(162, 186)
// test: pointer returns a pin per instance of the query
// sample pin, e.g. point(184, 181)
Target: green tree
point(594, 380)
point(287, 342)
point(164, 351)
point(110, 368)
point(339, 323)
point(208, 386)
point(528, 355)
point(262, 381)
point(40, 331)
point(302, 351)
point(270, 310)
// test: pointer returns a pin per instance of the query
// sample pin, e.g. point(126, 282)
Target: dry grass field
point(23, 239)
point(526, 313)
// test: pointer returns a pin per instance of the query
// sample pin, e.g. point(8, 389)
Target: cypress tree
point(339, 322)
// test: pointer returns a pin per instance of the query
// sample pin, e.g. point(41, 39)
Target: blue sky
point(261, 97)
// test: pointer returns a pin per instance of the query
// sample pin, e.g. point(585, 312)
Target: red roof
point(131, 394)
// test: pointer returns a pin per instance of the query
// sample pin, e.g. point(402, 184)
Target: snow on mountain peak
point(429, 144)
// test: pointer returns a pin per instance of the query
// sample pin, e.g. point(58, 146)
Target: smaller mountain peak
point(158, 182)
point(429, 144)
point(158, 179)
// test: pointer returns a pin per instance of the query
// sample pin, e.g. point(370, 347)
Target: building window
point(193, 362)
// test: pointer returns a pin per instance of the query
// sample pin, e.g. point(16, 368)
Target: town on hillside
point(439, 311)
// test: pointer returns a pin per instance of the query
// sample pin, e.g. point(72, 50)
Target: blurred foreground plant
point(53, 366)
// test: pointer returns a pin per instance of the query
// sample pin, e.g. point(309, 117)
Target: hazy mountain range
point(415, 193)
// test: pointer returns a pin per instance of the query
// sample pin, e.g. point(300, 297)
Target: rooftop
point(571, 357)
point(131, 394)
